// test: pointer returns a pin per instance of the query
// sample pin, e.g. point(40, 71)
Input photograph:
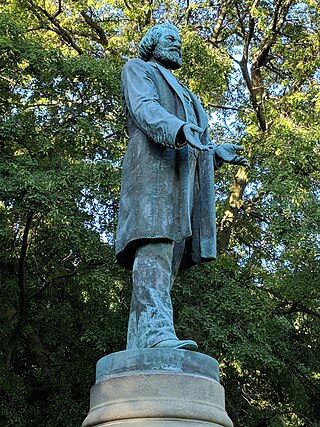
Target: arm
point(142, 101)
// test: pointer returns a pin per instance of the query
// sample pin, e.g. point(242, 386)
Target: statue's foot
point(177, 344)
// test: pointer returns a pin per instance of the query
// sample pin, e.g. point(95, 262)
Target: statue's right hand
point(192, 134)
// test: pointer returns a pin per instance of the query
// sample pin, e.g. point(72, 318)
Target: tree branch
point(22, 267)
point(46, 285)
point(64, 34)
point(295, 307)
point(219, 22)
point(225, 107)
point(22, 290)
point(232, 207)
point(92, 24)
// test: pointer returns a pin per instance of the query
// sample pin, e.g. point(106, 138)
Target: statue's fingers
point(210, 146)
point(207, 147)
point(236, 160)
point(196, 128)
point(242, 161)
point(229, 159)
point(203, 147)
point(238, 147)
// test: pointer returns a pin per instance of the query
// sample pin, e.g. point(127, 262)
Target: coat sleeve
point(142, 101)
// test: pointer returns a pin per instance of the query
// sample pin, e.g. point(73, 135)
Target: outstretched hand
point(227, 153)
point(192, 134)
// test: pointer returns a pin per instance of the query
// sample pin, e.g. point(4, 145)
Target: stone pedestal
point(157, 388)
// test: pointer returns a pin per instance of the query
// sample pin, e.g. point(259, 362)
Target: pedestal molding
point(160, 396)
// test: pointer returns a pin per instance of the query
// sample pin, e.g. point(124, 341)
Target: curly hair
point(151, 39)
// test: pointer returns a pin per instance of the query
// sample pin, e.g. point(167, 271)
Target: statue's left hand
point(192, 136)
point(227, 153)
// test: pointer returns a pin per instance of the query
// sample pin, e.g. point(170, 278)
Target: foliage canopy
point(64, 302)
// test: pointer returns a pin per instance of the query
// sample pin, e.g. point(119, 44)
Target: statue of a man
point(167, 204)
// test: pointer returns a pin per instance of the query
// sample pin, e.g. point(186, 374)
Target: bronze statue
point(167, 204)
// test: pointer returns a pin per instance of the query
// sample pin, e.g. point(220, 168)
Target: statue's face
point(168, 50)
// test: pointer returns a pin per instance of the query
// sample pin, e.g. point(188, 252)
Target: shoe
point(177, 344)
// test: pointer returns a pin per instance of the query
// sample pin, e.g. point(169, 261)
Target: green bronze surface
point(151, 360)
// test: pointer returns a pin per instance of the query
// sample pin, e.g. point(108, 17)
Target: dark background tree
point(64, 301)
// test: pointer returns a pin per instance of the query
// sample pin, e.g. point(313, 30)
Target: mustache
point(173, 49)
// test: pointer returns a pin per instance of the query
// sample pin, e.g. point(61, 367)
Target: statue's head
point(164, 44)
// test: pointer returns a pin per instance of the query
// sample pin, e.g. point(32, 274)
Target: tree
point(65, 302)
point(57, 112)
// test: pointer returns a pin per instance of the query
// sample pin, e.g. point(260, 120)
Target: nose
point(177, 44)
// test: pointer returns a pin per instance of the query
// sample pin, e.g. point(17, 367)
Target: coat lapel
point(202, 115)
point(171, 80)
point(176, 86)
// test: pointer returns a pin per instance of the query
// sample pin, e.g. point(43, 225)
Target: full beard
point(168, 57)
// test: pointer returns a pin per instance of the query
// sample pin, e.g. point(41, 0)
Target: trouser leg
point(151, 315)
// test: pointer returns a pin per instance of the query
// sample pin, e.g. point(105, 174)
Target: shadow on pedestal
point(157, 388)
